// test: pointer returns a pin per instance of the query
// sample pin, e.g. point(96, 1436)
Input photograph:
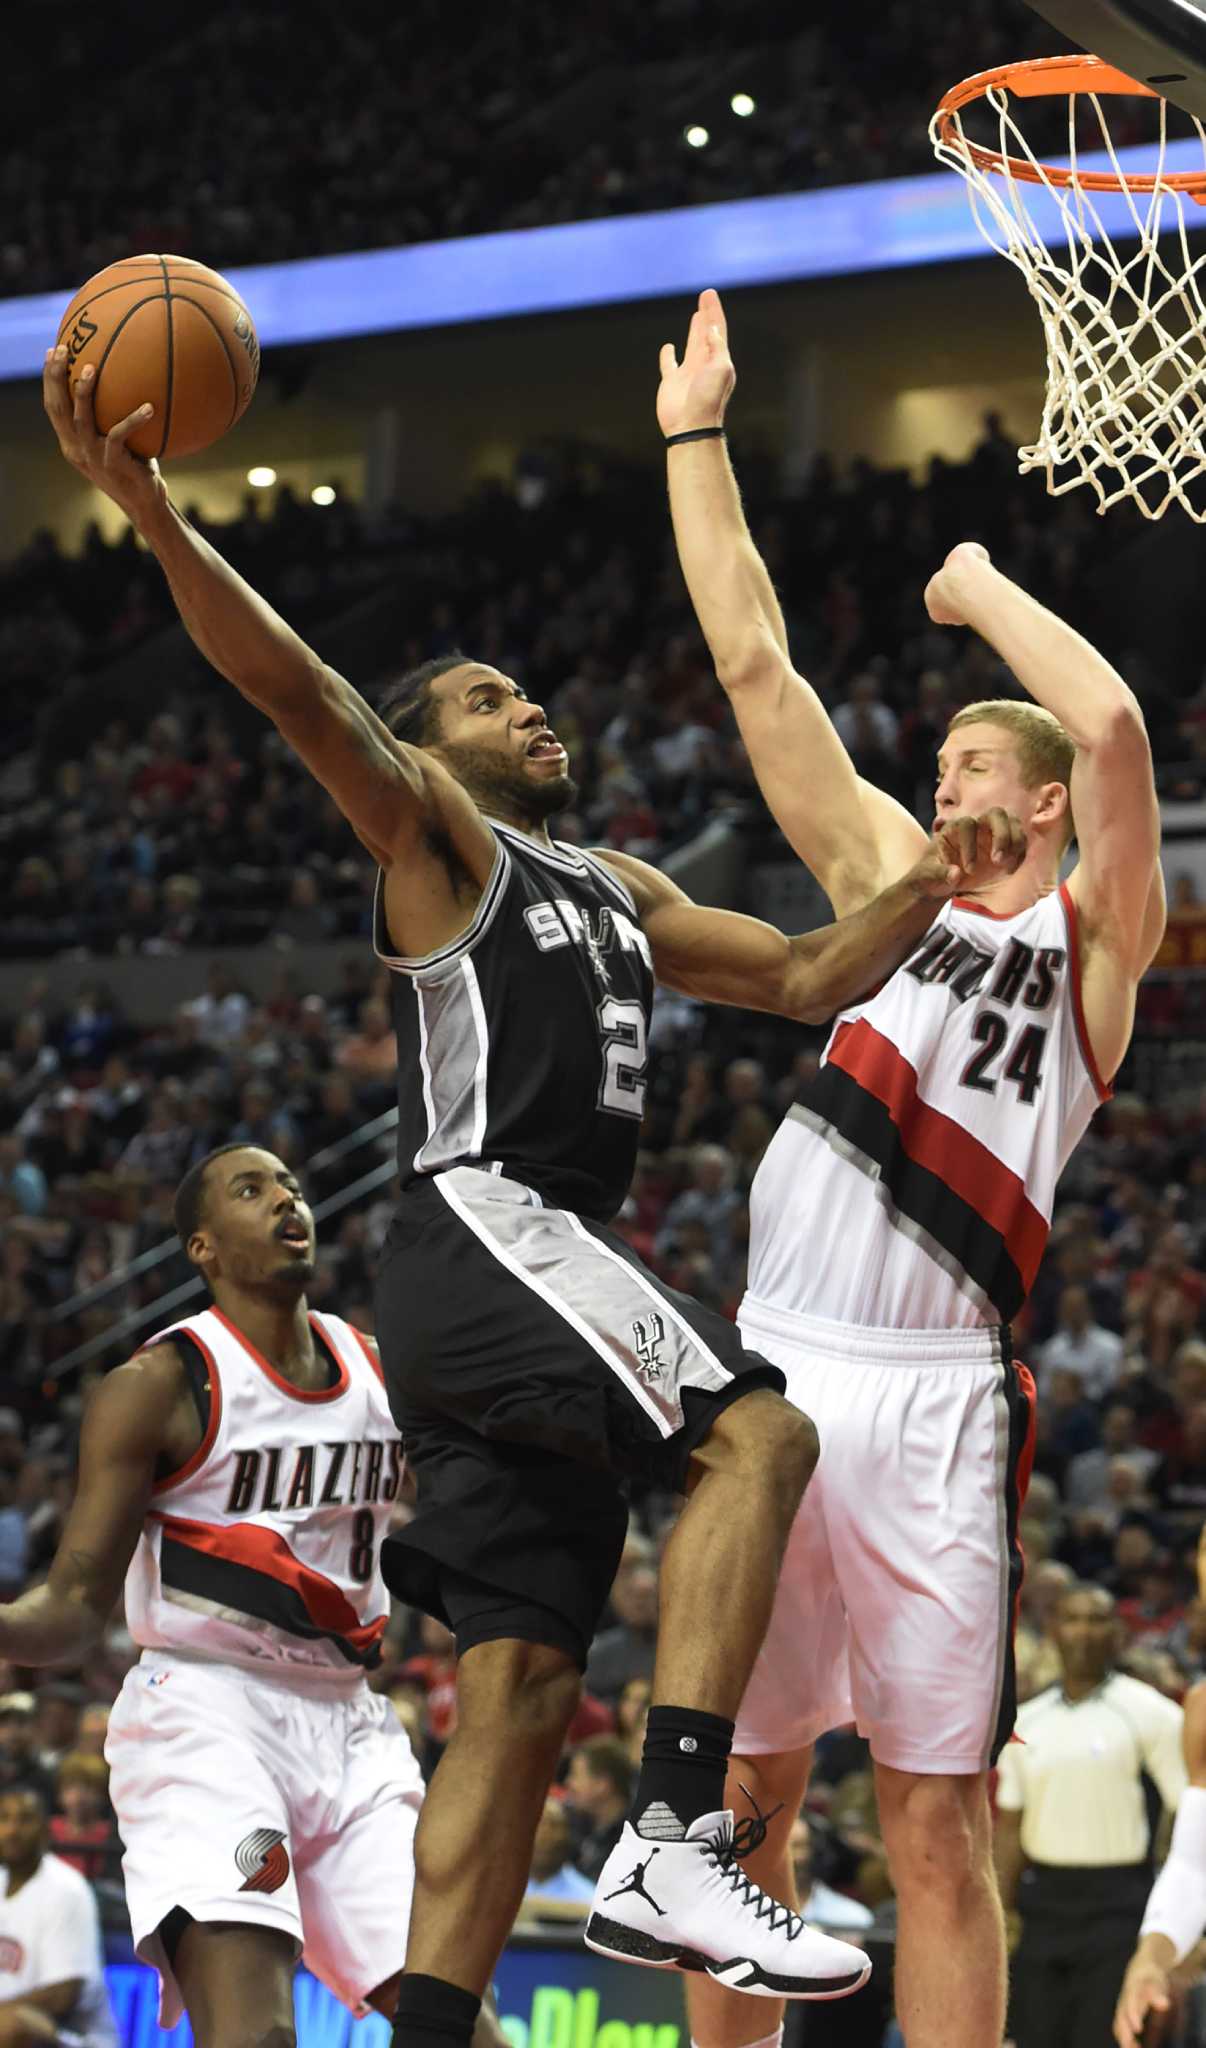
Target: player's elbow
point(750, 660)
point(1120, 731)
point(809, 998)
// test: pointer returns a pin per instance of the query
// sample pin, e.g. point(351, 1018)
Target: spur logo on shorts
point(648, 1336)
point(263, 1859)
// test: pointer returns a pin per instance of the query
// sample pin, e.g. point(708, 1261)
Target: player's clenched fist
point(943, 597)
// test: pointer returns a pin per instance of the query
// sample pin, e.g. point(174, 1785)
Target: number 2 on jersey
point(625, 1052)
point(1025, 1062)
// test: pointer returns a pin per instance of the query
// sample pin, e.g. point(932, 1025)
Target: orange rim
point(1047, 78)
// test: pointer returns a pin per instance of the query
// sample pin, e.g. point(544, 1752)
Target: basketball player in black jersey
point(535, 1368)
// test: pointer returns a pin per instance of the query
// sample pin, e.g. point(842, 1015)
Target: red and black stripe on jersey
point(965, 1205)
point(250, 1571)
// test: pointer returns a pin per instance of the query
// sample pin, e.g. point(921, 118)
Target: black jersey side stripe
point(483, 916)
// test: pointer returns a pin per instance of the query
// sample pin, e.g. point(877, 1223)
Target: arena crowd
point(422, 134)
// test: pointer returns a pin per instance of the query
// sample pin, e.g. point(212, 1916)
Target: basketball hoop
point(1125, 410)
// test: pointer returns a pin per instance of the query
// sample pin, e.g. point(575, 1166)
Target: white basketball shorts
point(896, 1603)
point(239, 1798)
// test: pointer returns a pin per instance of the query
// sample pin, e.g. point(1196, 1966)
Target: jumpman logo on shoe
point(635, 1882)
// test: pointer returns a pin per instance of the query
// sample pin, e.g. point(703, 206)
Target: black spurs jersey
point(523, 1044)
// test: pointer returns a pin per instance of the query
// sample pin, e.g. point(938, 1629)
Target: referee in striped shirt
point(1073, 1838)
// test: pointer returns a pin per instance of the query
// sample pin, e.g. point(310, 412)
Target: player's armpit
point(132, 1421)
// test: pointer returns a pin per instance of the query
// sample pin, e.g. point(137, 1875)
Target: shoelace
point(727, 1846)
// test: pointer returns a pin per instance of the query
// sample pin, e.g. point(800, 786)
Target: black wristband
point(696, 434)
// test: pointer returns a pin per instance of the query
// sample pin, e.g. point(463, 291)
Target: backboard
point(1162, 43)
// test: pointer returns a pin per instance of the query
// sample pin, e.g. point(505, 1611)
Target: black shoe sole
point(611, 1938)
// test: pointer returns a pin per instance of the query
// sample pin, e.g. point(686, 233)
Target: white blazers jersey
point(263, 1550)
point(911, 1184)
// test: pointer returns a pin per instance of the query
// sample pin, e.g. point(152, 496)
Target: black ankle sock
point(433, 2014)
point(682, 1771)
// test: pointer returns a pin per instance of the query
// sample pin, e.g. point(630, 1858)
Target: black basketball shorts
point(535, 1368)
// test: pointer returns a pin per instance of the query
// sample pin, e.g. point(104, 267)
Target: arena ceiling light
point(322, 494)
point(261, 476)
point(742, 104)
point(696, 137)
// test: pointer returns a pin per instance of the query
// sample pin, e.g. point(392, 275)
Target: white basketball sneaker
point(688, 1905)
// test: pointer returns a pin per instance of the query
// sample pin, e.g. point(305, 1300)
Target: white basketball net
point(1125, 410)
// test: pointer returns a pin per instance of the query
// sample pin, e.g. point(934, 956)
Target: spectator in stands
point(305, 920)
point(83, 1831)
point(554, 1876)
point(598, 1787)
point(632, 1712)
point(1186, 1641)
point(1066, 1423)
point(1036, 1652)
point(1087, 1475)
point(710, 1200)
point(161, 1147)
point(222, 1010)
point(1179, 1483)
point(20, 1177)
point(93, 1730)
point(369, 1055)
point(1082, 1346)
point(626, 1650)
point(266, 1123)
point(14, 1535)
point(432, 1671)
point(819, 1902)
point(59, 1701)
point(1158, 1607)
point(52, 1985)
point(19, 1765)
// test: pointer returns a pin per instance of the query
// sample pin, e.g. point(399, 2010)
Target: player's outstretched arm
point(1175, 1916)
point(853, 836)
point(131, 1423)
point(721, 956)
point(390, 794)
point(1117, 882)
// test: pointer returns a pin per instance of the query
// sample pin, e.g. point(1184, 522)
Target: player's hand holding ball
point(942, 597)
point(695, 392)
point(155, 357)
point(970, 853)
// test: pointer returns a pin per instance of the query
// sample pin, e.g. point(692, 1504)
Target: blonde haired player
point(900, 1212)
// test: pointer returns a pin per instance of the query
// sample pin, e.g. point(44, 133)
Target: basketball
point(166, 331)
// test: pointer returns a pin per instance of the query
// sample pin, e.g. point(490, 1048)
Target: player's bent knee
point(933, 1833)
point(529, 1691)
point(763, 1429)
